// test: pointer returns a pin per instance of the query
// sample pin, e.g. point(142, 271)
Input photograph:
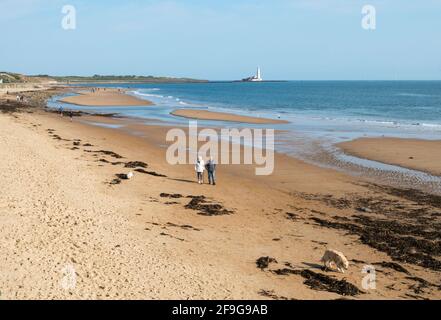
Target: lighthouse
point(256, 78)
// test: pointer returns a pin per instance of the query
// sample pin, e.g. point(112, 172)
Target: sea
point(320, 113)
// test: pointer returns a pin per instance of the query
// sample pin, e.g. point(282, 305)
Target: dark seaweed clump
point(314, 280)
point(115, 163)
point(393, 266)
point(135, 164)
point(10, 107)
point(168, 195)
point(106, 152)
point(272, 295)
point(122, 176)
point(322, 282)
point(292, 216)
point(206, 208)
point(414, 195)
point(263, 262)
point(339, 203)
point(319, 281)
point(420, 285)
point(115, 181)
point(152, 173)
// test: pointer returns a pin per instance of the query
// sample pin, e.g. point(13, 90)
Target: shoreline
point(102, 97)
point(416, 154)
point(391, 173)
point(223, 116)
point(292, 216)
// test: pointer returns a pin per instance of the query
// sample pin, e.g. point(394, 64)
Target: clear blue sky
point(224, 39)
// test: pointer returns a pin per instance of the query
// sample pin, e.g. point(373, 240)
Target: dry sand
point(422, 155)
point(58, 210)
point(105, 97)
point(10, 90)
point(221, 116)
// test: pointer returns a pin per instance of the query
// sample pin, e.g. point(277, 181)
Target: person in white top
point(199, 168)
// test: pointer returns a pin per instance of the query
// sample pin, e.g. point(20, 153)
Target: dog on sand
point(335, 260)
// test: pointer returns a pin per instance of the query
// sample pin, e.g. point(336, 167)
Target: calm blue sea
point(406, 102)
point(330, 108)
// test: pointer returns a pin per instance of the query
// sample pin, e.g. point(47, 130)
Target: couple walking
point(201, 166)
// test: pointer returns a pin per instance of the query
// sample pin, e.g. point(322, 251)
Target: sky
point(224, 39)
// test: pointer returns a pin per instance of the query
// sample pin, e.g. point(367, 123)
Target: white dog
point(334, 259)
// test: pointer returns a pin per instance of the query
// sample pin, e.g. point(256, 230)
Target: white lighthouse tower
point(258, 76)
point(255, 78)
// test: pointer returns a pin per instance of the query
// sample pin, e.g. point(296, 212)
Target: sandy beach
point(422, 155)
point(221, 116)
point(105, 97)
point(64, 208)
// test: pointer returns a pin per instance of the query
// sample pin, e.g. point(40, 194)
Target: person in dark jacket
point(211, 170)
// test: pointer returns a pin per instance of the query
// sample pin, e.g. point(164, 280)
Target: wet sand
point(161, 235)
point(422, 155)
point(221, 116)
point(105, 98)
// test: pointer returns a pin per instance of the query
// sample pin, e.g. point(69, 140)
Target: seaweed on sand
point(10, 106)
point(272, 295)
point(414, 195)
point(338, 203)
point(423, 203)
point(135, 164)
point(152, 173)
point(123, 176)
point(112, 163)
point(421, 284)
point(292, 216)
point(393, 266)
point(183, 226)
point(263, 262)
point(106, 152)
point(205, 207)
point(110, 153)
point(168, 195)
point(402, 242)
point(285, 271)
point(115, 181)
point(322, 282)
point(406, 226)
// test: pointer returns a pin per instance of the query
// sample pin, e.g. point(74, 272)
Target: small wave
point(147, 94)
point(430, 125)
point(385, 122)
point(409, 94)
point(393, 123)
